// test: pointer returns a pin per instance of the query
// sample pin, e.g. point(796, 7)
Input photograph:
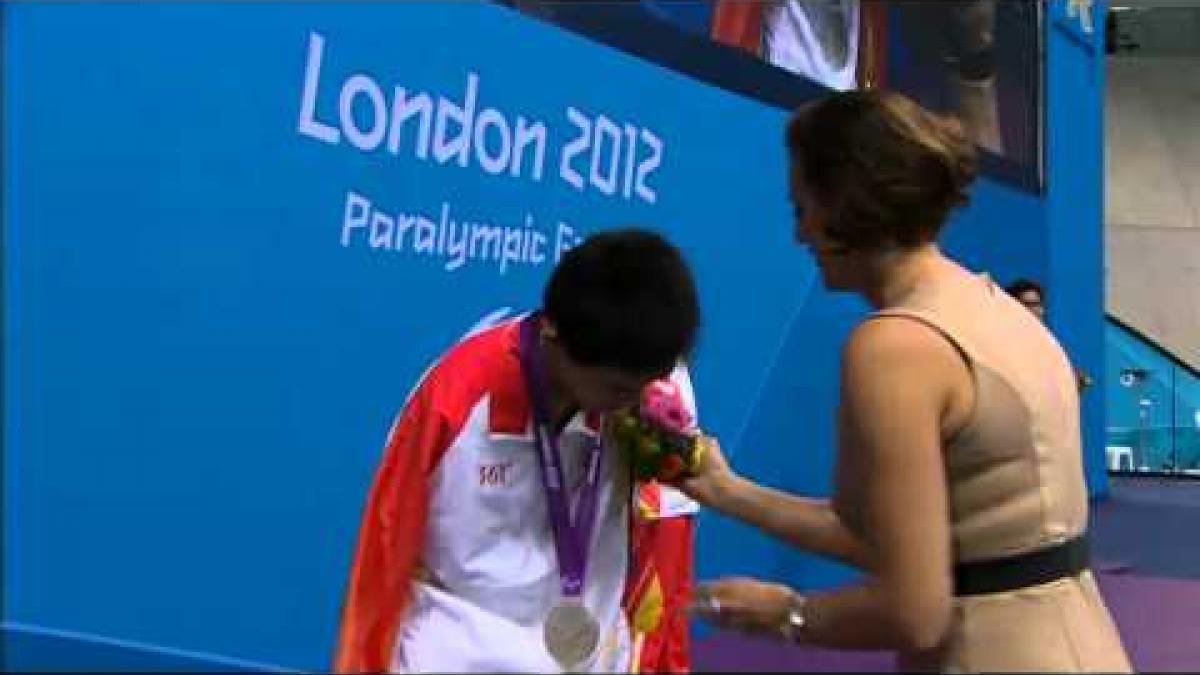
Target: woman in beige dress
point(959, 486)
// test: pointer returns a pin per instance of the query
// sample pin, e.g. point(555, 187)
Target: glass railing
point(1153, 406)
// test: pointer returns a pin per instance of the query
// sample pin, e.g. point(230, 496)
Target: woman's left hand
point(744, 604)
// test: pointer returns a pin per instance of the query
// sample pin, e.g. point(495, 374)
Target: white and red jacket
point(455, 567)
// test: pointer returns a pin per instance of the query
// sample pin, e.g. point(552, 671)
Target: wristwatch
point(797, 618)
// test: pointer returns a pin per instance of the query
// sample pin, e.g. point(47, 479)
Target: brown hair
point(888, 171)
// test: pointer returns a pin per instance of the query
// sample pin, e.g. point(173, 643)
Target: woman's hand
point(711, 478)
point(744, 604)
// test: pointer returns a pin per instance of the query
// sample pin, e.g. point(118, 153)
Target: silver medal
point(571, 633)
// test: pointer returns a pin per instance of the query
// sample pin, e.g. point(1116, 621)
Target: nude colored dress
point(1016, 485)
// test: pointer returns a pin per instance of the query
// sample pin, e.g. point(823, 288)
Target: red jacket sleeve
point(391, 538)
point(738, 23)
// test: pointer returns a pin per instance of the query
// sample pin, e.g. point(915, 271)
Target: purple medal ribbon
point(572, 536)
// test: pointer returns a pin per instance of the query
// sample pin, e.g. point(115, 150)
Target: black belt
point(1064, 560)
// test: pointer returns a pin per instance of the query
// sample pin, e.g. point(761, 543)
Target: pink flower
point(663, 406)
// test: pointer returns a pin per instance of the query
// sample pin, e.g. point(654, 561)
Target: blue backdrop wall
point(233, 238)
point(1074, 220)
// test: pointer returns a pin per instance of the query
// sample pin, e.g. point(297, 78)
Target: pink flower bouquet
point(659, 438)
